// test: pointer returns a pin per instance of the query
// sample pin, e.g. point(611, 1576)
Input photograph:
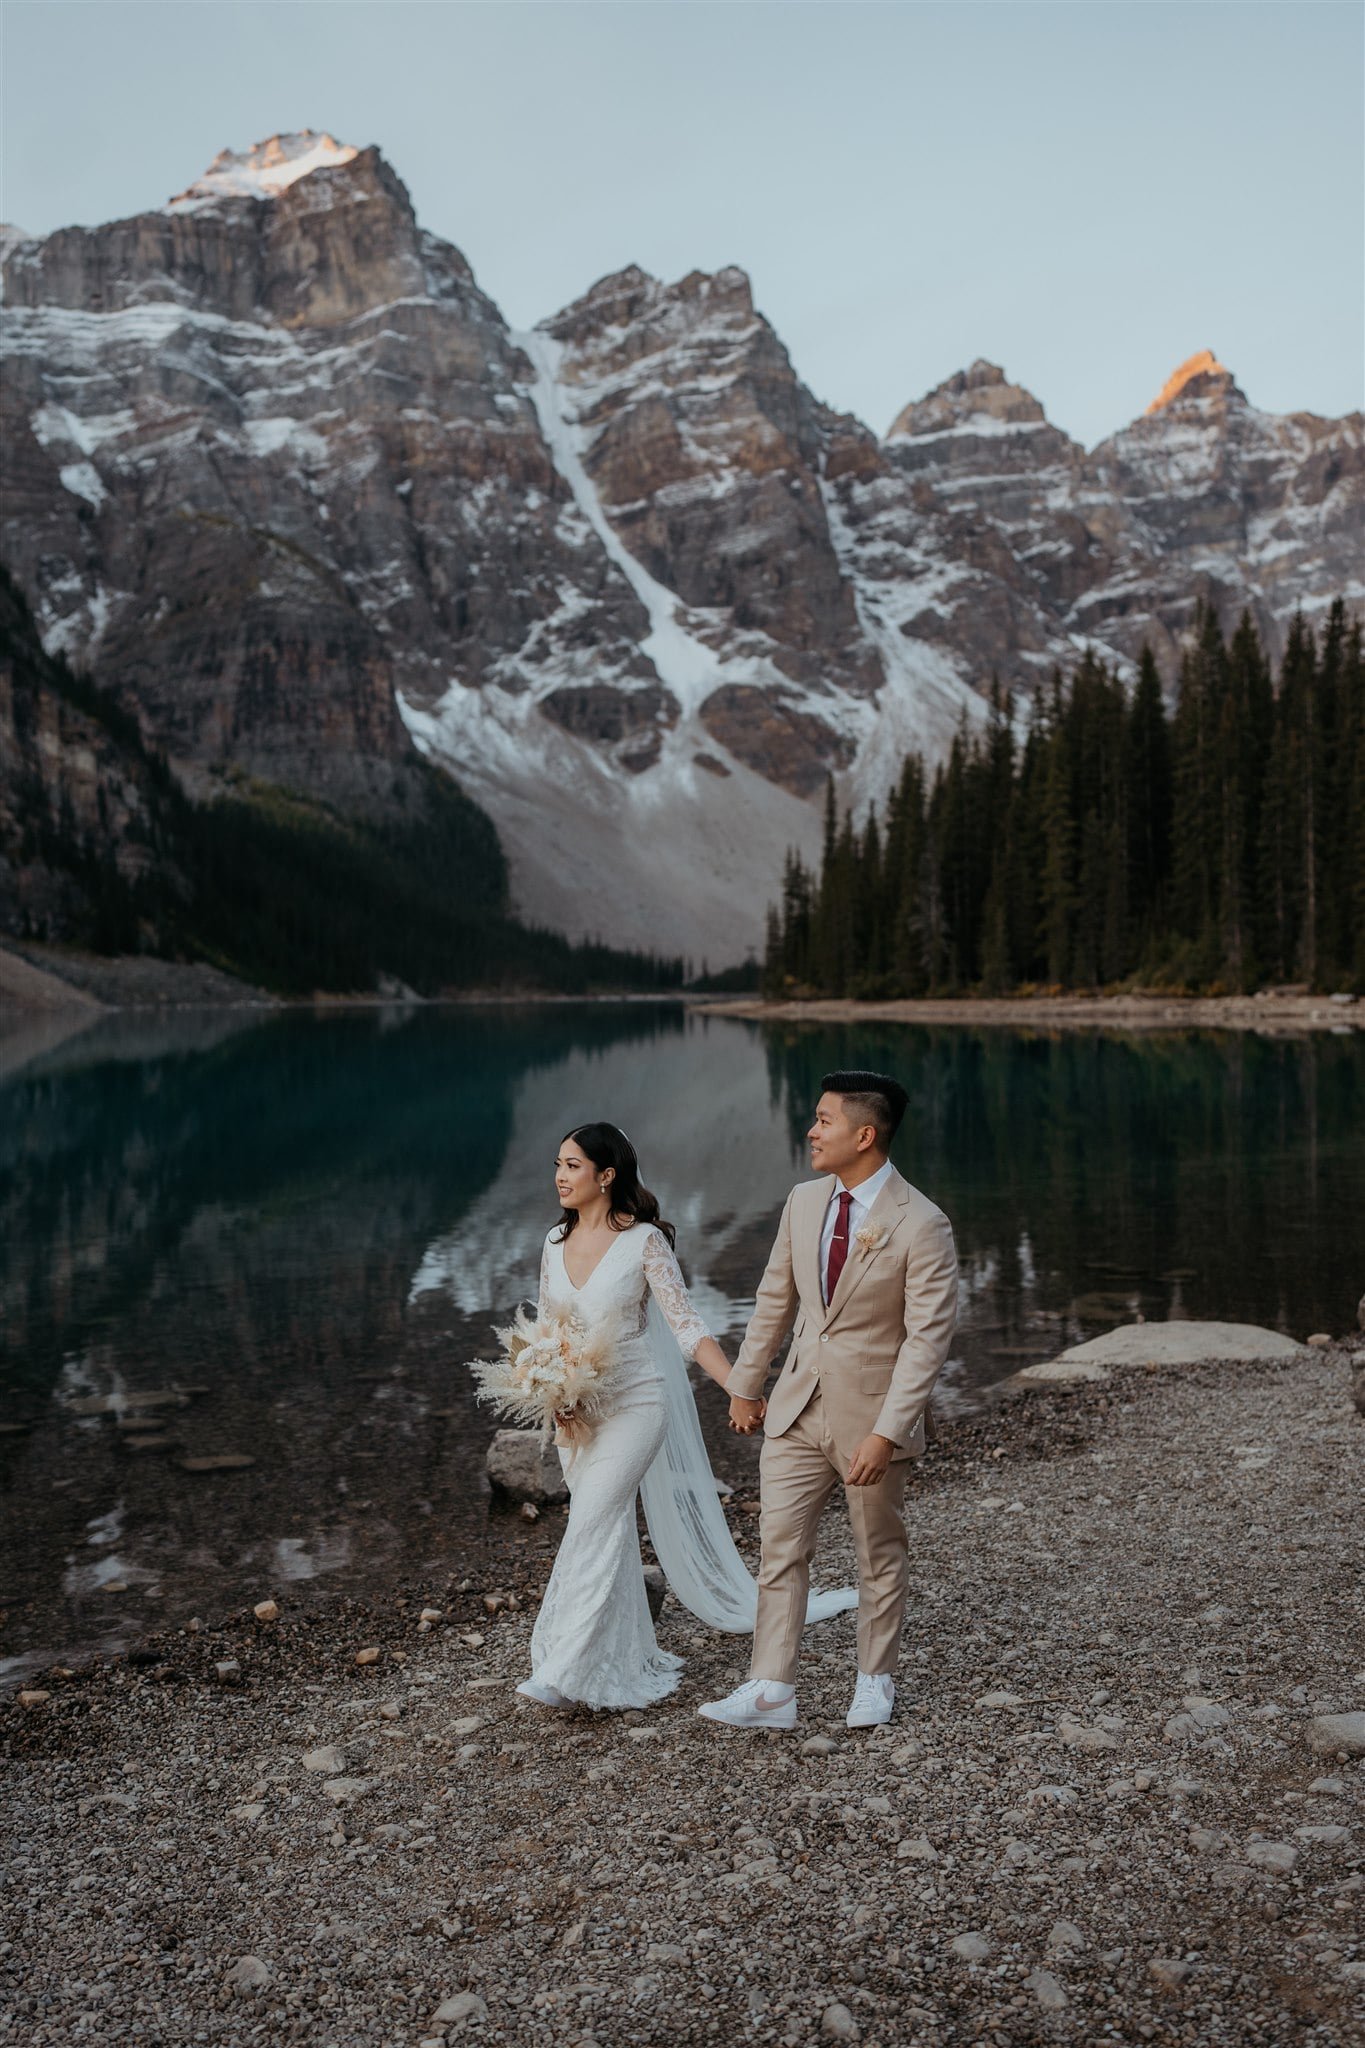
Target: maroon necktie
point(838, 1246)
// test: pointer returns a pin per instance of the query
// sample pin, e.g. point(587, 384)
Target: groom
point(865, 1264)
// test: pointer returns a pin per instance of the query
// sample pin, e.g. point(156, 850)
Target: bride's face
point(577, 1180)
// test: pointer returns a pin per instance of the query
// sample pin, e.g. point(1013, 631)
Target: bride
point(610, 1258)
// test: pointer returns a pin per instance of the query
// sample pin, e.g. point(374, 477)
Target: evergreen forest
point(1217, 845)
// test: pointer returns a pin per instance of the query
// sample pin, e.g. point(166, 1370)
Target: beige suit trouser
point(799, 1471)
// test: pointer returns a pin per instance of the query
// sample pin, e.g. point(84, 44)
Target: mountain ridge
point(288, 478)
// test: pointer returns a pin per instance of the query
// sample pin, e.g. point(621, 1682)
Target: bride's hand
point(746, 1416)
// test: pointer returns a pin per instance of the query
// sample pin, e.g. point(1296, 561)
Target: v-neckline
point(600, 1262)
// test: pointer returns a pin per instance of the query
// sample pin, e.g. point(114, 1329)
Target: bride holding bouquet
point(606, 1358)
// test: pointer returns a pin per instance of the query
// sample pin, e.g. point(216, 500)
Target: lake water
point(301, 1227)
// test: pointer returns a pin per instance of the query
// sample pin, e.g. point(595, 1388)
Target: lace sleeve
point(543, 1300)
point(669, 1290)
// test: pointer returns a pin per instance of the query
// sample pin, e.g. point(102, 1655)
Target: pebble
point(818, 1745)
point(266, 1610)
point(33, 1696)
point(1279, 1857)
point(1090, 1740)
point(1208, 1841)
point(370, 1656)
point(432, 1614)
point(971, 1948)
point(460, 2010)
point(248, 1974)
point(1169, 1972)
point(329, 1760)
point(838, 2023)
point(1334, 1733)
point(227, 1671)
point(1052, 1795)
point(1325, 1834)
point(119, 1799)
point(343, 1791)
point(916, 1849)
point(1199, 1717)
point(1328, 1787)
point(1065, 1935)
point(468, 1724)
point(1046, 1990)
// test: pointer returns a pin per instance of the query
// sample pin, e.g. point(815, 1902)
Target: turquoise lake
point(280, 1238)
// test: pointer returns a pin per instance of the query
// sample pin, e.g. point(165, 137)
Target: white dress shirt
point(864, 1195)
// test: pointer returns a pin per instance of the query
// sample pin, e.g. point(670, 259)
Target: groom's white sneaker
point(762, 1703)
point(873, 1698)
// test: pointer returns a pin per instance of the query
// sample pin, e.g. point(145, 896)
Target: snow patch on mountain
point(685, 665)
point(594, 852)
point(263, 171)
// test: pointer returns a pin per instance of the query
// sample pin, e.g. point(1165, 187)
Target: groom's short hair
point(869, 1099)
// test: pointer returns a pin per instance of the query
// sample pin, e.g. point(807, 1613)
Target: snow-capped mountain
point(282, 475)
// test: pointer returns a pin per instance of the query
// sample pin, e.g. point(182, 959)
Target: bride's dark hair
point(608, 1147)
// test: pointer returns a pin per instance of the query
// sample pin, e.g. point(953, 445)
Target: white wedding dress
point(593, 1640)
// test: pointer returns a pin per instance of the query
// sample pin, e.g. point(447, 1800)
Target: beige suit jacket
point(878, 1348)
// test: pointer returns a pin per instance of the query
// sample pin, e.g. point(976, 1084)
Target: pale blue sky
point(1084, 192)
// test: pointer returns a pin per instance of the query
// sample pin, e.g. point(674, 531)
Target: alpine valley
point(282, 479)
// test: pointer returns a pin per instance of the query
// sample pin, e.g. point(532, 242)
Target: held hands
point(867, 1466)
point(746, 1416)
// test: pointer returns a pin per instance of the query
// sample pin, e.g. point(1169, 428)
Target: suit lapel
point(809, 1279)
point(886, 1212)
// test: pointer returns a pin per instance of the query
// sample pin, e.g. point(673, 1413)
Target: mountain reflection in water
point(283, 1239)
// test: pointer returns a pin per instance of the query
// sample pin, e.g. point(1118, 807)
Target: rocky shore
point(1122, 1798)
point(1270, 1010)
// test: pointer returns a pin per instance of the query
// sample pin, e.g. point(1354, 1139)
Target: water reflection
point(279, 1240)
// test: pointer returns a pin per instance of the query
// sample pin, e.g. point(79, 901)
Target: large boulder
point(521, 1467)
point(1181, 1343)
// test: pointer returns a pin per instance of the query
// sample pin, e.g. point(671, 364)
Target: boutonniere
point(870, 1238)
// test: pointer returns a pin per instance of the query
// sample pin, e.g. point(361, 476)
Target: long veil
point(687, 1525)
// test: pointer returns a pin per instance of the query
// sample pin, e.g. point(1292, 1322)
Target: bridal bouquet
point(551, 1364)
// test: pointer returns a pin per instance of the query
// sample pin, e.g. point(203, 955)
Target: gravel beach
point(1108, 1808)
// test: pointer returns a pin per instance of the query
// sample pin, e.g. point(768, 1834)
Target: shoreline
point(1268, 1012)
point(43, 981)
point(1098, 1809)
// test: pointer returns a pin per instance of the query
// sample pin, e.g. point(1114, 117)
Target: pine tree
point(1146, 771)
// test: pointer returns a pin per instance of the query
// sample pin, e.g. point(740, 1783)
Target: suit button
point(824, 1339)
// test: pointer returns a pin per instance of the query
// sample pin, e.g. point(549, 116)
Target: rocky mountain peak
point(633, 298)
point(1199, 376)
point(267, 168)
point(981, 395)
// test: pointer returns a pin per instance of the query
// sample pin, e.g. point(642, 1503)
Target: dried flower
point(870, 1238)
point(550, 1364)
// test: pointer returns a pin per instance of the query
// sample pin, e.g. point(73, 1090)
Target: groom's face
point(837, 1144)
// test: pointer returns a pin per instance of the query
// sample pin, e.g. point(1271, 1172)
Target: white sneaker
point(873, 1698)
point(749, 1706)
point(543, 1695)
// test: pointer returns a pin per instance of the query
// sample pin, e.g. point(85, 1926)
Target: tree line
point(1215, 846)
